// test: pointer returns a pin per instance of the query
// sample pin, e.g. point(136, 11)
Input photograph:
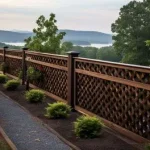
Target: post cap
point(5, 47)
point(74, 53)
point(25, 48)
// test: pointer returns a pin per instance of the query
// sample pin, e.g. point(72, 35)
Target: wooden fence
point(117, 93)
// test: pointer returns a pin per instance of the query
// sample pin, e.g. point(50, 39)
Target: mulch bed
point(107, 140)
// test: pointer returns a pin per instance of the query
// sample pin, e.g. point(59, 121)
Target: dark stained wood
point(14, 50)
point(47, 55)
point(14, 53)
point(4, 53)
point(49, 94)
point(115, 127)
point(15, 64)
point(11, 76)
point(71, 81)
point(114, 64)
point(15, 57)
point(24, 65)
point(54, 72)
point(46, 64)
point(114, 79)
point(4, 56)
point(27, 84)
point(118, 93)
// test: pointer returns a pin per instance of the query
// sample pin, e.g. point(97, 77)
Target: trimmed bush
point(35, 96)
point(12, 84)
point(34, 74)
point(87, 127)
point(20, 74)
point(3, 78)
point(4, 67)
point(58, 110)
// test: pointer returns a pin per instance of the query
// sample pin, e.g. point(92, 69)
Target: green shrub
point(87, 127)
point(58, 110)
point(20, 74)
point(4, 67)
point(3, 78)
point(12, 84)
point(35, 96)
point(33, 74)
point(147, 147)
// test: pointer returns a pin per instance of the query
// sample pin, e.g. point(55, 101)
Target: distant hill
point(9, 36)
point(76, 37)
point(88, 36)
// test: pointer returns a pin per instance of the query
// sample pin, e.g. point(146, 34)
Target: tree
point(108, 54)
point(148, 43)
point(81, 50)
point(131, 30)
point(66, 46)
point(46, 37)
point(10, 46)
point(91, 52)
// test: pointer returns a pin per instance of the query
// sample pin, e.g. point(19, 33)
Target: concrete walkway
point(24, 131)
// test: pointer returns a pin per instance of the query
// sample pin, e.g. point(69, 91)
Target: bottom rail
point(119, 129)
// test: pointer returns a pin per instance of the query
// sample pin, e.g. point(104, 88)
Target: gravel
point(24, 131)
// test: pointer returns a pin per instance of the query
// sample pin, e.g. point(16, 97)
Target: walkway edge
point(45, 125)
point(7, 139)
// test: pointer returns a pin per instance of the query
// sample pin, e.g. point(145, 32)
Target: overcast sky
point(95, 15)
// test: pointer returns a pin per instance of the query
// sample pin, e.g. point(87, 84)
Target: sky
point(87, 15)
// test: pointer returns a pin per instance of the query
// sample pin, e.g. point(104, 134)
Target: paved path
point(24, 131)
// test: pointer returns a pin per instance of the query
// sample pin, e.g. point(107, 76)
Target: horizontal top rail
point(139, 68)
point(14, 50)
point(47, 55)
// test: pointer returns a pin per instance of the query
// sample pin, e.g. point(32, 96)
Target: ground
point(64, 127)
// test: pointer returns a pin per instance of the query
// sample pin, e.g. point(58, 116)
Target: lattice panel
point(54, 81)
point(123, 105)
point(1, 59)
point(62, 61)
point(1, 51)
point(115, 72)
point(15, 66)
point(14, 52)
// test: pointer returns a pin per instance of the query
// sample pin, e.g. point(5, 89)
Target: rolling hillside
point(76, 37)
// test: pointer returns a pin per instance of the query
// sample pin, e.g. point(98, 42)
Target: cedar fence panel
point(118, 93)
point(13, 59)
point(54, 69)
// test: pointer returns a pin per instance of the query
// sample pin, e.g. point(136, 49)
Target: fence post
point(71, 78)
point(24, 65)
point(4, 57)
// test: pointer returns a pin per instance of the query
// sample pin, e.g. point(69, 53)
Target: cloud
point(78, 14)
